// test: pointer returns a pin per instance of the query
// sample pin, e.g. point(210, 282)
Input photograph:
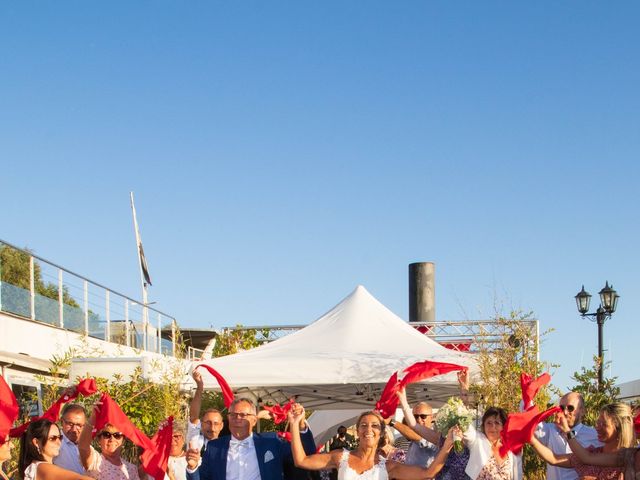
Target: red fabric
point(8, 408)
point(279, 412)
point(388, 402)
point(154, 461)
point(427, 369)
point(530, 387)
point(110, 412)
point(285, 436)
point(227, 393)
point(519, 428)
point(85, 387)
point(636, 424)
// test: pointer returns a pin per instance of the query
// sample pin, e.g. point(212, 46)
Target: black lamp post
point(608, 303)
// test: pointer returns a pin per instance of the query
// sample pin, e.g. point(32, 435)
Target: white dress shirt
point(242, 460)
point(549, 435)
point(69, 457)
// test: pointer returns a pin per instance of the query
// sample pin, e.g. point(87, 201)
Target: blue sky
point(282, 153)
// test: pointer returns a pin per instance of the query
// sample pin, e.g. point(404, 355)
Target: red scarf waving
point(8, 409)
point(279, 412)
point(110, 412)
point(86, 387)
point(427, 369)
point(530, 387)
point(388, 402)
point(519, 428)
point(154, 461)
point(227, 393)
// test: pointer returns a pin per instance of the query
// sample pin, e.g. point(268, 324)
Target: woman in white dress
point(366, 462)
point(39, 444)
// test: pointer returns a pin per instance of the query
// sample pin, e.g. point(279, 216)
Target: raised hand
point(197, 377)
point(561, 422)
point(463, 379)
point(193, 458)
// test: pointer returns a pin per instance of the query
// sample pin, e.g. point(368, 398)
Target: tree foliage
point(595, 397)
point(514, 351)
point(234, 340)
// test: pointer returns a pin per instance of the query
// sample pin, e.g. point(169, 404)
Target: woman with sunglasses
point(39, 444)
point(615, 431)
point(108, 464)
point(366, 462)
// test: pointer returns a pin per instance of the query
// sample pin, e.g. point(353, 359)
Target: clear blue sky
point(283, 152)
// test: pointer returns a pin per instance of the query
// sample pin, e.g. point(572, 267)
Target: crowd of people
point(417, 451)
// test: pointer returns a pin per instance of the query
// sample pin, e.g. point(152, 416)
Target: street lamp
point(608, 304)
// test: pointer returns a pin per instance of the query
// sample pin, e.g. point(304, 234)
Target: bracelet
point(571, 434)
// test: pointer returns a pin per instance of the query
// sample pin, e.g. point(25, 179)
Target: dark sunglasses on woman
point(116, 435)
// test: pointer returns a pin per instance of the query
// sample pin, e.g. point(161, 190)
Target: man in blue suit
point(245, 455)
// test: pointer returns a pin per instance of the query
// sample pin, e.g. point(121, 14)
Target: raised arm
point(316, 461)
point(463, 382)
point(584, 455)
point(548, 456)
point(196, 401)
point(425, 432)
point(84, 440)
point(402, 471)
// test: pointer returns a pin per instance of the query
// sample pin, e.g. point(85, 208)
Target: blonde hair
point(622, 417)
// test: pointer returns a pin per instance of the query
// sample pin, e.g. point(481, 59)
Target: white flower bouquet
point(453, 413)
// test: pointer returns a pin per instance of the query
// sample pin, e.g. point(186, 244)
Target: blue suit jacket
point(214, 460)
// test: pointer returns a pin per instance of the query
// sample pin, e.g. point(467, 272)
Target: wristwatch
point(571, 434)
point(392, 423)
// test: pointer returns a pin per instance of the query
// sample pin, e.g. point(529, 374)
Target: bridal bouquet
point(453, 413)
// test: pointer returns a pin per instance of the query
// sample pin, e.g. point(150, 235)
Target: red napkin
point(227, 393)
point(285, 436)
point(86, 387)
point(279, 412)
point(636, 424)
point(8, 408)
point(388, 402)
point(531, 386)
point(427, 369)
point(110, 412)
point(519, 428)
point(154, 461)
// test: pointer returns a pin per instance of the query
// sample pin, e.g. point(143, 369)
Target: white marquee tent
point(340, 361)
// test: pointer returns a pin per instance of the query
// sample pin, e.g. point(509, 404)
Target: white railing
point(34, 288)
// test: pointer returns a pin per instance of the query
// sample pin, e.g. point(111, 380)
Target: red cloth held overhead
point(155, 460)
point(388, 402)
point(519, 428)
point(227, 393)
point(531, 386)
point(110, 412)
point(8, 408)
point(427, 369)
point(279, 412)
point(86, 387)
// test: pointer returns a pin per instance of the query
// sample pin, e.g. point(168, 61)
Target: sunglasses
point(116, 435)
point(422, 416)
point(55, 438)
point(568, 408)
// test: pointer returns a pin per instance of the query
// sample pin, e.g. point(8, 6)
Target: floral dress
point(594, 472)
point(494, 471)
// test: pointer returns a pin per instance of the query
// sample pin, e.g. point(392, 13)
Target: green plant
point(595, 397)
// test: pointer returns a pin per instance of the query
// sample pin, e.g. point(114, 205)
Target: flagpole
point(145, 302)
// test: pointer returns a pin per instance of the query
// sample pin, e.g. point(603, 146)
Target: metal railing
point(37, 289)
point(464, 336)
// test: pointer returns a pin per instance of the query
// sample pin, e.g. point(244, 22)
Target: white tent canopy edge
point(340, 361)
